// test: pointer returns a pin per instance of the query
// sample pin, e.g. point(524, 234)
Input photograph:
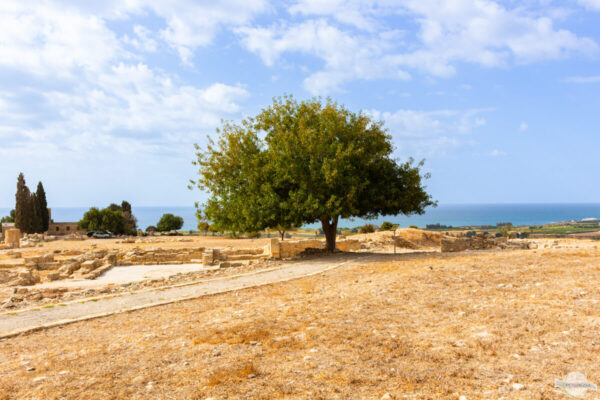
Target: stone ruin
point(91, 264)
point(482, 241)
point(12, 239)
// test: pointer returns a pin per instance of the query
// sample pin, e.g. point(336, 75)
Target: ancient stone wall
point(483, 242)
point(291, 248)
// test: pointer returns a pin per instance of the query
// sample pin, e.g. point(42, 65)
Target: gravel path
point(50, 316)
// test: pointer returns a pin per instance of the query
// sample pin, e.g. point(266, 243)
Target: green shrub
point(169, 222)
point(368, 228)
point(387, 226)
point(414, 227)
point(151, 228)
point(253, 235)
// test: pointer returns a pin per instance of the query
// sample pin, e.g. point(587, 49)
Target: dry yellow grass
point(426, 328)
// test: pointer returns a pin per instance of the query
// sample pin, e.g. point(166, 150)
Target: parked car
point(90, 233)
point(102, 235)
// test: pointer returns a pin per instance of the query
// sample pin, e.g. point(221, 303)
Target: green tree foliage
point(36, 212)
point(31, 209)
point(151, 228)
point(23, 211)
point(169, 222)
point(130, 219)
point(42, 205)
point(106, 219)
point(113, 224)
point(388, 226)
point(303, 162)
point(203, 226)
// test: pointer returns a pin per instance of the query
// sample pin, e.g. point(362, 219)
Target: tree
point(23, 206)
point(302, 162)
point(130, 219)
point(42, 206)
point(9, 218)
point(388, 226)
point(103, 220)
point(36, 220)
point(203, 226)
point(169, 222)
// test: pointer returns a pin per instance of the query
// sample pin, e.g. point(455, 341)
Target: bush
point(151, 228)
point(169, 222)
point(103, 220)
point(387, 226)
point(203, 226)
point(368, 228)
point(470, 234)
point(253, 235)
point(414, 227)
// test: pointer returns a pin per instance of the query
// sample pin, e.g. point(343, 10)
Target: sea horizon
point(450, 214)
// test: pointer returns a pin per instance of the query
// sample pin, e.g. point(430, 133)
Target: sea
point(444, 214)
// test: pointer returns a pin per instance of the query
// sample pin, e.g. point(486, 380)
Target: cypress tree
point(43, 207)
point(22, 205)
point(36, 217)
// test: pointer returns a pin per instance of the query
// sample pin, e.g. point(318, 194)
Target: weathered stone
point(25, 279)
point(12, 237)
point(53, 276)
point(453, 245)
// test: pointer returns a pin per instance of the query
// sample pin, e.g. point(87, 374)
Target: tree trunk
point(282, 233)
point(330, 230)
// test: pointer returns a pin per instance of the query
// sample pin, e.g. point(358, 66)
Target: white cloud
point(129, 109)
point(590, 4)
point(498, 153)
point(45, 40)
point(192, 24)
point(428, 132)
point(523, 126)
point(144, 39)
point(584, 79)
point(345, 56)
point(482, 32)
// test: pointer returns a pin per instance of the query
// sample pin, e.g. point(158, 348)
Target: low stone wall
point(482, 242)
point(291, 248)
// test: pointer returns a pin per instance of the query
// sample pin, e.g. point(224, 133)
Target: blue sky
point(103, 100)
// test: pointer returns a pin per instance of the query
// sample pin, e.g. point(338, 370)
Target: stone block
point(12, 237)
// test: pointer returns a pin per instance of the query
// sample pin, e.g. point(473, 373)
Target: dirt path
point(49, 316)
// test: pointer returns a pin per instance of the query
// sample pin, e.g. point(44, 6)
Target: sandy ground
point(60, 313)
point(487, 325)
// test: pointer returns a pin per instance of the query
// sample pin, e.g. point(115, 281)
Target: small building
point(61, 228)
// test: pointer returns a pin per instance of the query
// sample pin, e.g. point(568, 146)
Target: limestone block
point(12, 237)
